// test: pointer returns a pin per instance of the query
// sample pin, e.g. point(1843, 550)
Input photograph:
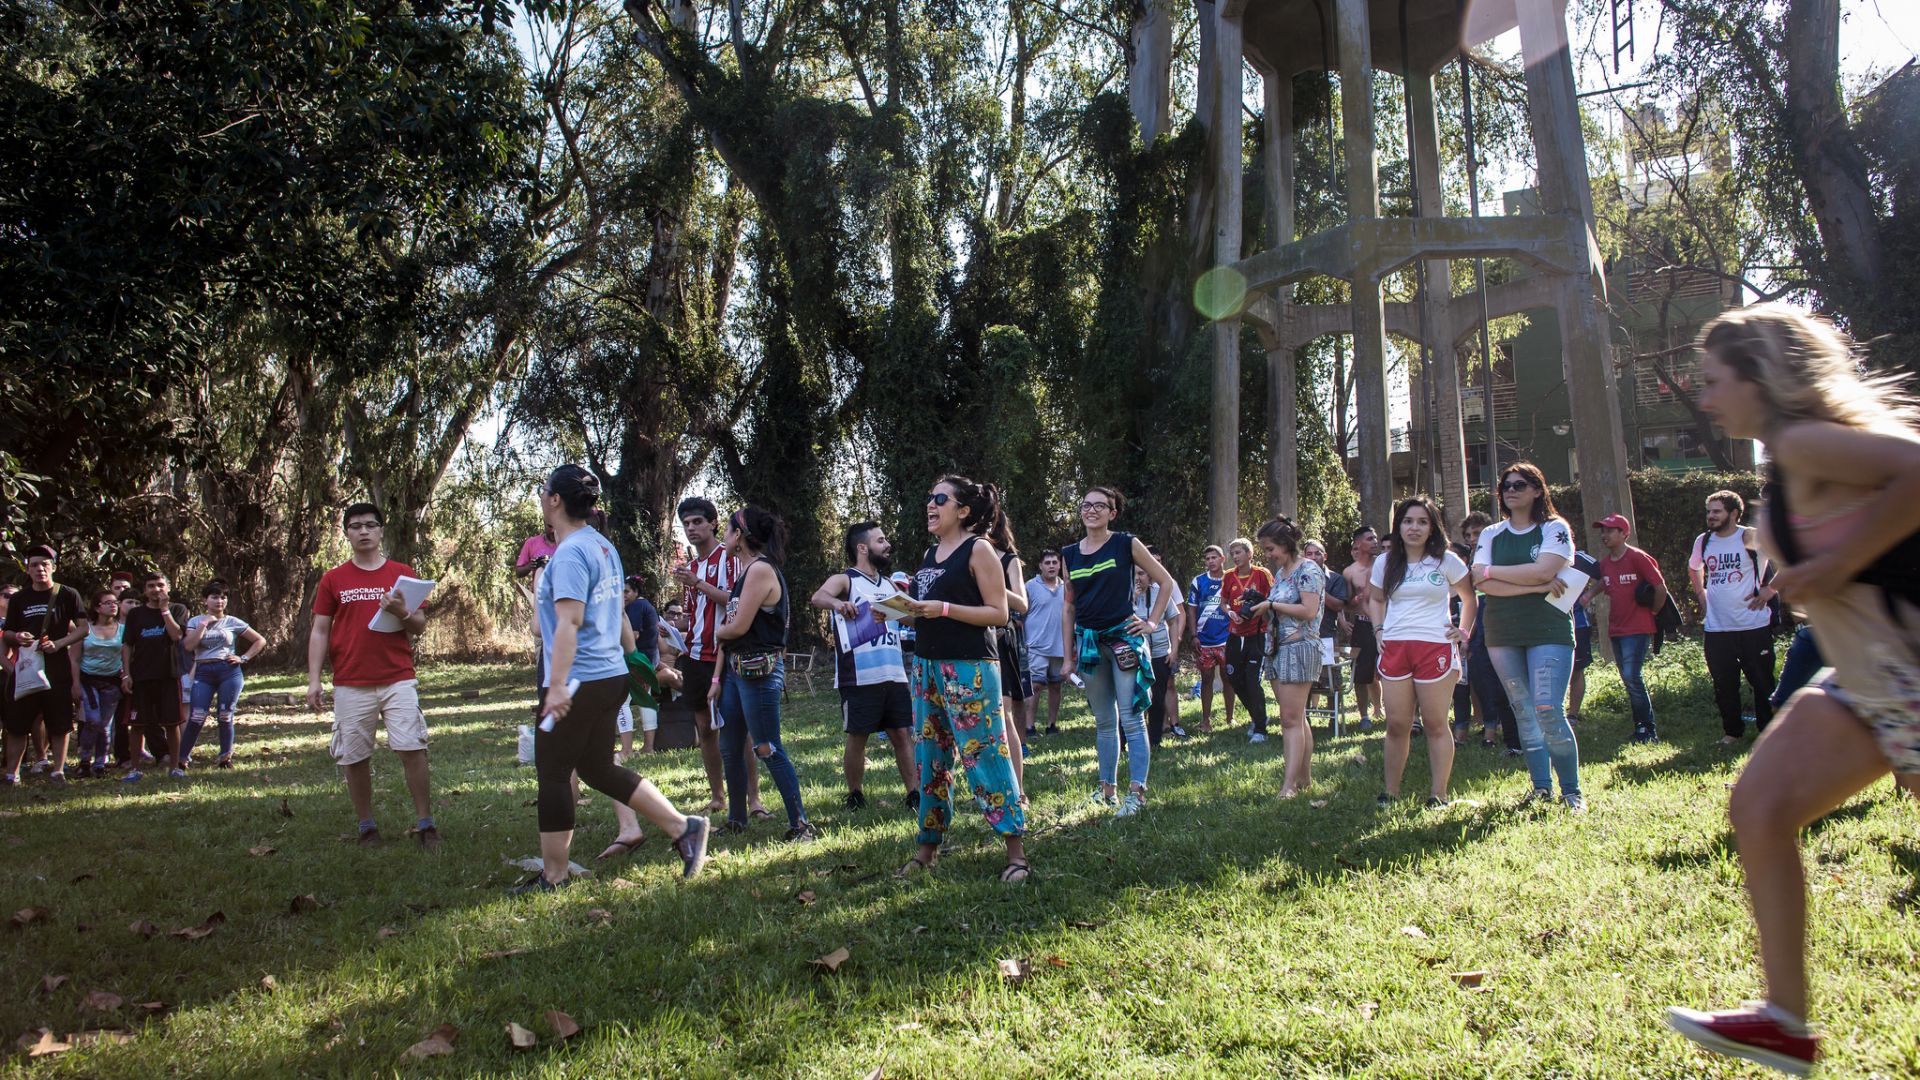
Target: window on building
point(1473, 377)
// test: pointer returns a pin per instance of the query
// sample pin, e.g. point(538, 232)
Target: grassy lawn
point(1224, 933)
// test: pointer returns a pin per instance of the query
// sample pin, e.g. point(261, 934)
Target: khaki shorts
point(359, 710)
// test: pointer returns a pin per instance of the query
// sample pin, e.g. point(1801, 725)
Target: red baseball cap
point(1614, 521)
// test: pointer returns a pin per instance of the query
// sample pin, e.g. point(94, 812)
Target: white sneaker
point(1133, 805)
point(1255, 737)
point(38, 767)
point(1101, 798)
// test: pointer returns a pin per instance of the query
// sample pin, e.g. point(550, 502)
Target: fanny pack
point(1124, 655)
point(754, 666)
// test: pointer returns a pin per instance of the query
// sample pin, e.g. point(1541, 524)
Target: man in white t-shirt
point(1728, 574)
point(1046, 649)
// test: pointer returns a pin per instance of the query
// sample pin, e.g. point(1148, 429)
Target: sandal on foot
point(620, 849)
point(1015, 873)
point(915, 865)
point(760, 815)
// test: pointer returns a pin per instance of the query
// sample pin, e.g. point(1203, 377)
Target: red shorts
point(1421, 661)
point(1210, 656)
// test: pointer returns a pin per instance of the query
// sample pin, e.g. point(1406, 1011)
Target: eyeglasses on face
point(939, 498)
point(1092, 505)
point(1516, 484)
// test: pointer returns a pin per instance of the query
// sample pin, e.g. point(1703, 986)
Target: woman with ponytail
point(586, 646)
point(960, 598)
point(1016, 682)
point(1295, 603)
point(753, 673)
point(1107, 643)
point(1419, 645)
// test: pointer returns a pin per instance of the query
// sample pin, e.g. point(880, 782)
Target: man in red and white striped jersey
point(708, 581)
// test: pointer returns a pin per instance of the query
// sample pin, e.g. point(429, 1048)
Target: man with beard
point(708, 580)
point(871, 675)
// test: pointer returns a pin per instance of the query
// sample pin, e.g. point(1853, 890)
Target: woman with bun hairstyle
point(1843, 520)
point(960, 598)
point(752, 672)
point(1107, 643)
point(586, 643)
point(1295, 602)
point(1419, 645)
point(216, 640)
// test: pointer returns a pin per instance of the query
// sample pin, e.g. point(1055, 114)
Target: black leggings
point(1243, 674)
point(582, 742)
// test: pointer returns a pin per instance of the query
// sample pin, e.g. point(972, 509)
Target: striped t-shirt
point(704, 614)
point(878, 661)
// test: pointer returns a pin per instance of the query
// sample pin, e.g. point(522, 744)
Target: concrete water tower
point(1412, 39)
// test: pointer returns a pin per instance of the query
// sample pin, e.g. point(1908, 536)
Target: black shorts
point(156, 703)
point(1016, 681)
point(1582, 648)
point(54, 706)
point(1366, 653)
point(696, 679)
point(865, 710)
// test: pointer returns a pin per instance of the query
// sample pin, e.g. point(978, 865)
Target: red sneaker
point(1751, 1032)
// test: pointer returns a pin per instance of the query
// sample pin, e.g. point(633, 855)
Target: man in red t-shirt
point(1246, 637)
point(1625, 573)
point(373, 678)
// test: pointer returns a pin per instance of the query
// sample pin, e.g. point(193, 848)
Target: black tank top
point(951, 581)
point(768, 631)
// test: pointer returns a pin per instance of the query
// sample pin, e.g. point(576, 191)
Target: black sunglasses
point(1516, 485)
point(939, 498)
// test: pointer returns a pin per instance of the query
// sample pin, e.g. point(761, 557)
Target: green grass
point(1224, 933)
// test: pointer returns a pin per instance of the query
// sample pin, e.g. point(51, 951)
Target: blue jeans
point(1631, 653)
point(1803, 663)
point(98, 700)
point(1110, 695)
point(215, 683)
point(751, 709)
point(1536, 679)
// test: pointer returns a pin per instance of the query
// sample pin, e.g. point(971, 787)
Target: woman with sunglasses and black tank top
point(754, 641)
point(960, 598)
point(1107, 643)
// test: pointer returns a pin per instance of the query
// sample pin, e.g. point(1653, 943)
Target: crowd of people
point(948, 659)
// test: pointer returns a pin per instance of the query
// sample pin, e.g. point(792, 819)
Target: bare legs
point(1296, 738)
point(1812, 758)
point(1431, 703)
point(716, 770)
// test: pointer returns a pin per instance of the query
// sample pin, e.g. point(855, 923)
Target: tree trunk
point(1826, 154)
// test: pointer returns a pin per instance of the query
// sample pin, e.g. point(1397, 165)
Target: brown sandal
point(620, 849)
point(1015, 873)
point(915, 865)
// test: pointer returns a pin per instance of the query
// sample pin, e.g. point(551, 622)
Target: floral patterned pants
point(956, 708)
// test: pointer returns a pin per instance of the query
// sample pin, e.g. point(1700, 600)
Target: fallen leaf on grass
point(879, 1073)
point(51, 983)
point(1368, 1009)
point(502, 954)
point(562, 1024)
point(40, 1042)
point(1085, 924)
point(520, 1038)
point(1468, 979)
point(386, 932)
point(805, 897)
point(1055, 961)
point(152, 1007)
point(1318, 804)
point(600, 915)
point(106, 1035)
point(27, 916)
point(261, 849)
point(7, 815)
point(434, 1045)
point(1414, 932)
point(78, 878)
point(195, 933)
point(143, 928)
point(302, 904)
point(919, 929)
point(1013, 970)
point(286, 808)
point(831, 961)
point(102, 1001)
point(621, 883)
point(911, 1025)
point(269, 983)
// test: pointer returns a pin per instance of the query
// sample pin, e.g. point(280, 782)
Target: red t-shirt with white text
point(351, 596)
point(1622, 576)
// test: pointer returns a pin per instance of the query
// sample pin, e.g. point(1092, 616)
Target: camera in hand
point(1247, 601)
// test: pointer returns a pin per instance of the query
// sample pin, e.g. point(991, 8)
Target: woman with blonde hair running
point(1843, 516)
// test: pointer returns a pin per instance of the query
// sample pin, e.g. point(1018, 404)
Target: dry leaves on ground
point(27, 916)
point(563, 1026)
point(51, 983)
point(40, 1042)
point(195, 933)
point(1468, 979)
point(286, 808)
point(805, 897)
point(1014, 970)
point(302, 904)
point(831, 961)
point(501, 954)
point(600, 915)
point(1368, 1009)
point(142, 928)
point(520, 1038)
point(102, 1001)
point(1414, 932)
point(153, 1008)
point(269, 983)
point(261, 849)
point(386, 932)
point(439, 1042)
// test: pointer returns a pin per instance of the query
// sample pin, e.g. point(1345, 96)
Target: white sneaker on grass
point(1256, 737)
point(1135, 802)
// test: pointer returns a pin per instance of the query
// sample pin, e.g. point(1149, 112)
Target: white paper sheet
point(1576, 584)
point(894, 607)
point(413, 591)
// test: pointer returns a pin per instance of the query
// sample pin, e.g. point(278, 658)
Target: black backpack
point(1778, 619)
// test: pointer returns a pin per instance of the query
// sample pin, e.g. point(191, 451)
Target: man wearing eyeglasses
point(373, 678)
